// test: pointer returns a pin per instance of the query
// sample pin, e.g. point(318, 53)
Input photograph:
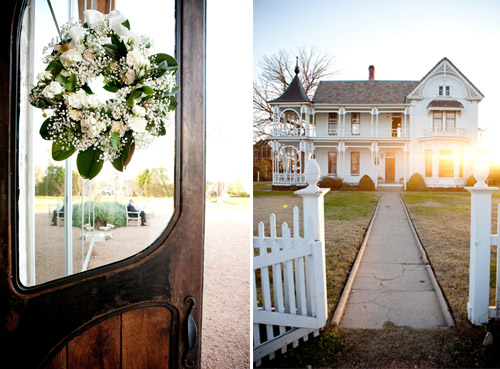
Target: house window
point(332, 163)
point(446, 163)
point(450, 120)
point(444, 120)
point(355, 163)
point(444, 90)
point(333, 124)
point(428, 163)
point(355, 124)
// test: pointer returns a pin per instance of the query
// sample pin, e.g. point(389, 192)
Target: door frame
point(38, 320)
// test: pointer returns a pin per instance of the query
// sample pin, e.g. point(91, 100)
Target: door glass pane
point(100, 232)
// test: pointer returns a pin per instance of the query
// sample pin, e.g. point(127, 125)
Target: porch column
point(342, 112)
point(404, 123)
point(405, 150)
point(371, 123)
point(342, 150)
point(376, 125)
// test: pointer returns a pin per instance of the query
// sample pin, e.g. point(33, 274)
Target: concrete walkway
point(393, 282)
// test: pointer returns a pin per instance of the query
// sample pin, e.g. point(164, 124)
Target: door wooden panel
point(390, 169)
point(58, 323)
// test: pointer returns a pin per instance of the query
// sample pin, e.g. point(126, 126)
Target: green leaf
point(59, 154)
point(115, 139)
point(126, 24)
point(162, 131)
point(120, 45)
point(55, 66)
point(110, 88)
point(89, 163)
point(134, 98)
point(87, 89)
point(173, 91)
point(71, 83)
point(61, 79)
point(119, 162)
point(147, 90)
point(112, 51)
point(165, 63)
point(173, 103)
point(44, 129)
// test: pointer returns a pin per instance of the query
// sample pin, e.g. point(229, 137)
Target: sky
point(228, 83)
point(403, 40)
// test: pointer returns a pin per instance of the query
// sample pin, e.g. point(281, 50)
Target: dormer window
point(444, 90)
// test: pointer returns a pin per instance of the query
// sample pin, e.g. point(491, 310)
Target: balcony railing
point(383, 133)
point(455, 132)
point(289, 178)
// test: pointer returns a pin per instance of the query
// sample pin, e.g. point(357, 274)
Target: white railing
point(382, 133)
point(289, 178)
point(456, 132)
point(290, 302)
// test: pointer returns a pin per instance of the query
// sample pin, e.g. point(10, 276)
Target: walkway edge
point(339, 312)
point(442, 301)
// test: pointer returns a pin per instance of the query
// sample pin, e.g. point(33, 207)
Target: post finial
point(297, 70)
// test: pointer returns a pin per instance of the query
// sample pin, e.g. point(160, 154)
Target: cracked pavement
point(392, 283)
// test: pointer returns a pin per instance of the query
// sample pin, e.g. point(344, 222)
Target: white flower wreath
point(144, 87)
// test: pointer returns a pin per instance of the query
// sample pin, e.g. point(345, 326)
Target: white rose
point(88, 56)
point(139, 111)
point(44, 75)
point(76, 33)
point(129, 77)
point(77, 100)
point(70, 57)
point(98, 126)
point(118, 127)
point(92, 101)
point(85, 124)
point(136, 59)
point(54, 88)
point(137, 124)
point(93, 17)
point(74, 113)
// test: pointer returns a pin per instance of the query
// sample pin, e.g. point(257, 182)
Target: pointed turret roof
point(294, 92)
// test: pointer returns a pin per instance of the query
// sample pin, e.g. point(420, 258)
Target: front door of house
point(140, 312)
point(390, 169)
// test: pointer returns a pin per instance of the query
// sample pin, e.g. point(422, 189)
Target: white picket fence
point(289, 295)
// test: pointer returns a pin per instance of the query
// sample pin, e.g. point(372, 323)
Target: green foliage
point(52, 184)
point(366, 184)
point(415, 182)
point(89, 162)
point(236, 189)
point(105, 212)
point(332, 183)
point(471, 181)
point(153, 183)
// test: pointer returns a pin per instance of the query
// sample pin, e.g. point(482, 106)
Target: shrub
point(422, 188)
point(105, 212)
point(471, 181)
point(366, 184)
point(415, 182)
point(332, 183)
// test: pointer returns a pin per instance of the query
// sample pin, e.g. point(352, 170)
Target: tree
point(277, 73)
point(52, 183)
point(153, 182)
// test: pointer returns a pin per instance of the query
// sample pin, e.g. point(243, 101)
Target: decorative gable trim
point(446, 67)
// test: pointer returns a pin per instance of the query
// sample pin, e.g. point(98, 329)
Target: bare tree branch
point(277, 71)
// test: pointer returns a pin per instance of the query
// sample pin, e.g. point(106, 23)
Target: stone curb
point(439, 293)
point(339, 312)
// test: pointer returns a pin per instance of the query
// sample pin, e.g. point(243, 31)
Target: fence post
point(313, 201)
point(480, 245)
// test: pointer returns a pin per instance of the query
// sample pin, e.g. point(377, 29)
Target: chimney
point(371, 76)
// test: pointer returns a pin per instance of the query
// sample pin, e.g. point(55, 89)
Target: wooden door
point(390, 169)
point(140, 312)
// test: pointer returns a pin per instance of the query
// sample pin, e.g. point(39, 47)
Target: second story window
point(444, 90)
point(355, 124)
point(444, 120)
point(333, 119)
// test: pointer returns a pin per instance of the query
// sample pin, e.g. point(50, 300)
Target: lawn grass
point(442, 221)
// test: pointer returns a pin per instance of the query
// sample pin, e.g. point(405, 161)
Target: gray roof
point(294, 92)
point(363, 92)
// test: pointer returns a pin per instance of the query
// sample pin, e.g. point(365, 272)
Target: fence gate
point(289, 286)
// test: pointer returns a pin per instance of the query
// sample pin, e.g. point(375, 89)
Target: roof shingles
point(363, 92)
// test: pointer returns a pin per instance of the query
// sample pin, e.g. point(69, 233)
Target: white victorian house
point(388, 130)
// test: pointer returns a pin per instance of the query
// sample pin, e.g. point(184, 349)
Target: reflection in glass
point(52, 192)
